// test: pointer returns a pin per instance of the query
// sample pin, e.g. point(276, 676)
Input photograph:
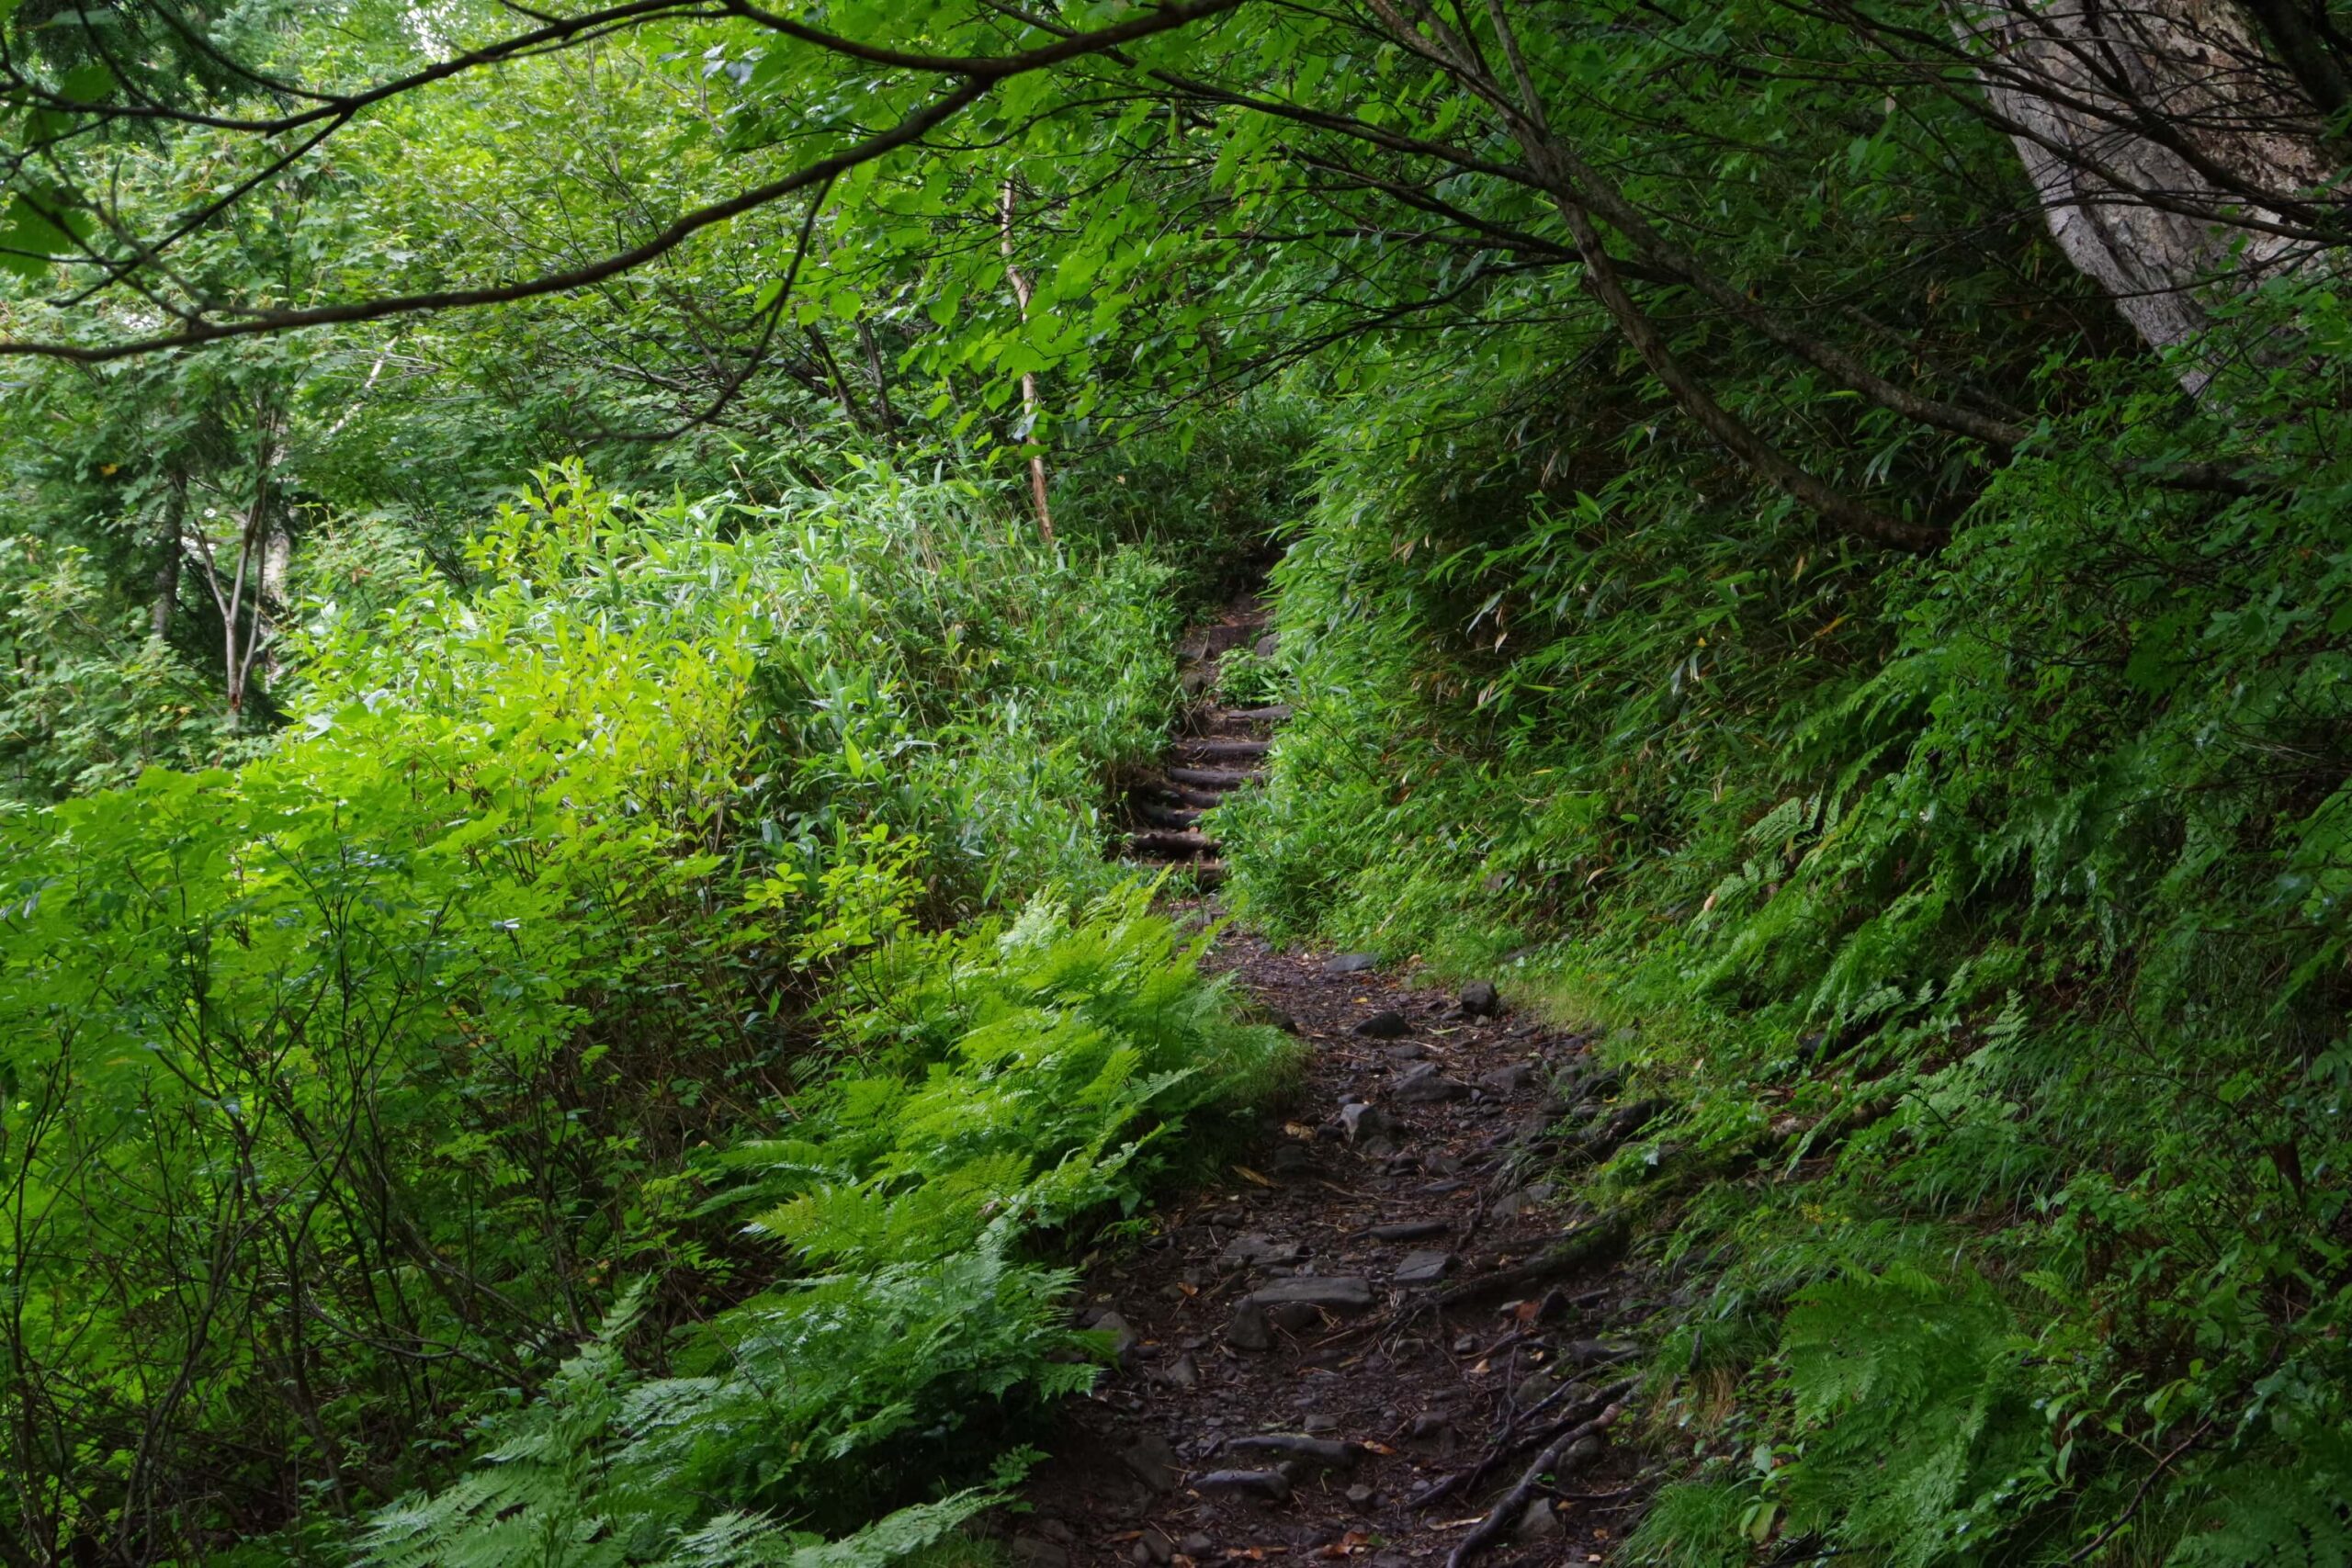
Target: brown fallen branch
point(1591, 1242)
point(1570, 1450)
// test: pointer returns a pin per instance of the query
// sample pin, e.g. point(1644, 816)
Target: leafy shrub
point(343, 1090)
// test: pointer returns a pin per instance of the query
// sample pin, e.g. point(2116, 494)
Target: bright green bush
point(345, 1091)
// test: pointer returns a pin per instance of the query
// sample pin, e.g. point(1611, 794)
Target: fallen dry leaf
point(1249, 1175)
point(1376, 1448)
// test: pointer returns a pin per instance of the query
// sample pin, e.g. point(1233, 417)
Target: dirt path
point(1367, 1341)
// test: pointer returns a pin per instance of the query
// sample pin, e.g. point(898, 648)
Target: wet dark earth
point(1381, 1335)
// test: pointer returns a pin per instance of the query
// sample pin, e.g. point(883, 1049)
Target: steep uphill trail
point(1219, 747)
point(1380, 1336)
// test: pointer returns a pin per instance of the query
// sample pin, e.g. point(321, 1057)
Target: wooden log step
point(1272, 713)
point(1166, 816)
point(1209, 778)
point(1171, 841)
point(1168, 794)
point(1250, 748)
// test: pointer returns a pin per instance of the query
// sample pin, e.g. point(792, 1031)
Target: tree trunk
point(172, 548)
point(1029, 403)
point(2170, 155)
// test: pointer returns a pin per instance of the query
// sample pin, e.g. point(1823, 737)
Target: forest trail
point(1218, 748)
point(1368, 1336)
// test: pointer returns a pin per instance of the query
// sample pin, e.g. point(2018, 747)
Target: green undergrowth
point(1979, 920)
point(623, 1073)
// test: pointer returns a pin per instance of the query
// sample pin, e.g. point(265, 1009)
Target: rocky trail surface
point(1379, 1336)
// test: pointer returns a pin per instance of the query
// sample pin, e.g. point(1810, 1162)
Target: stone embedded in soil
point(1291, 1159)
point(1425, 1085)
point(1408, 1052)
point(1153, 1546)
point(1322, 1451)
point(1032, 1552)
point(1479, 999)
point(1255, 1251)
point(1533, 1195)
point(1270, 1484)
point(1410, 1230)
point(1431, 1423)
point(1123, 1338)
point(1364, 1122)
point(1154, 1462)
point(1249, 1330)
point(1319, 1424)
point(1351, 963)
point(1183, 1372)
point(1340, 1292)
point(1423, 1268)
point(1539, 1523)
point(1506, 1081)
point(1197, 1545)
point(1387, 1024)
point(1294, 1317)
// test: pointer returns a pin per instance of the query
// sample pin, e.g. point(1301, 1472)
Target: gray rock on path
point(1423, 1268)
point(1410, 1230)
point(1366, 1124)
point(1320, 1451)
point(1249, 1330)
point(1539, 1523)
point(1480, 999)
point(1152, 1546)
point(1254, 1251)
point(1506, 1081)
point(1123, 1338)
point(1294, 1317)
point(1270, 1484)
point(1153, 1462)
point(1512, 1204)
point(1351, 963)
point(1424, 1084)
point(1387, 1024)
point(1335, 1292)
point(1197, 1545)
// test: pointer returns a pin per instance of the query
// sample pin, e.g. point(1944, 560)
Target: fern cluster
point(998, 1081)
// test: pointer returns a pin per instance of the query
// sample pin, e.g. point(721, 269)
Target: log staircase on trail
point(1217, 749)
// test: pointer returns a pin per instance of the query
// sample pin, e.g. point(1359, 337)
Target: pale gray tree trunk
point(2171, 155)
